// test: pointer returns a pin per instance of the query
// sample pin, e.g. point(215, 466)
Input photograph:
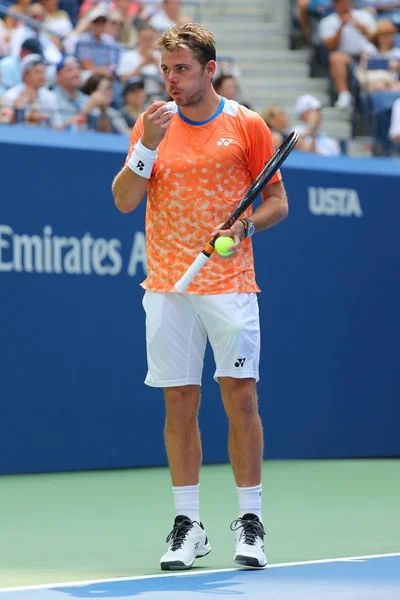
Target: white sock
point(186, 500)
point(250, 500)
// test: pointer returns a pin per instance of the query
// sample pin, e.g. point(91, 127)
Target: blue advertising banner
point(72, 339)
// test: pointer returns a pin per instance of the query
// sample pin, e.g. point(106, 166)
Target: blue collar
point(214, 116)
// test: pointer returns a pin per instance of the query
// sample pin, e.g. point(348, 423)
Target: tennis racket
point(268, 171)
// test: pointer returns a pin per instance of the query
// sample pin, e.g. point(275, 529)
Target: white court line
point(49, 586)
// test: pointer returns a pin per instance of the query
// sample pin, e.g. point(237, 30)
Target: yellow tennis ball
point(222, 245)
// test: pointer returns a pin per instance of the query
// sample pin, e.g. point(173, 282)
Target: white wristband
point(142, 160)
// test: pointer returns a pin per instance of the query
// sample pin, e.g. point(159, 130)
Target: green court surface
point(95, 525)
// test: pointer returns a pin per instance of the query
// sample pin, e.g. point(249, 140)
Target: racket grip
point(191, 273)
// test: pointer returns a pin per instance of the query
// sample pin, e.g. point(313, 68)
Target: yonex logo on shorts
point(240, 362)
point(140, 165)
point(224, 141)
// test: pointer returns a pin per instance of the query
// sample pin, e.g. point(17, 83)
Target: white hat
point(30, 61)
point(307, 102)
point(96, 13)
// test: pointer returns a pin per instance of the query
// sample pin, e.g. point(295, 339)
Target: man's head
point(68, 74)
point(98, 18)
point(146, 37)
point(33, 71)
point(30, 46)
point(308, 108)
point(188, 62)
point(342, 6)
point(276, 118)
point(36, 12)
point(134, 92)
point(226, 86)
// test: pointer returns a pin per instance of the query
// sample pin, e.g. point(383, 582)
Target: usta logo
point(332, 202)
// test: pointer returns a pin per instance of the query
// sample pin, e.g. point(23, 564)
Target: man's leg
point(245, 441)
point(245, 445)
point(338, 68)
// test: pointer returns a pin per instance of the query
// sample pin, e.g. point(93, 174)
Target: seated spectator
point(144, 60)
point(110, 119)
point(10, 66)
point(277, 120)
point(75, 107)
point(31, 101)
point(134, 98)
point(20, 8)
point(226, 85)
point(167, 16)
point(384, 47)
point(56, 20)
point(394, 131)
point(115, 26)
point(309, 111)
point(36, 12)
point(346, 34)
point(96, 51)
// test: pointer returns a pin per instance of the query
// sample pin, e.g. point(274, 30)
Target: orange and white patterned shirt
point(201, 172)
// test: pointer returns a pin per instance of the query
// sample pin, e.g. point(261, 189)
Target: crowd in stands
point(95, 65)
point(356, 46)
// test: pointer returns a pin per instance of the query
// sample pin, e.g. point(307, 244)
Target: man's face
point(312, 117)
point(36, 12)
point(279, 120)
point(343, 6)
point(70, 75)
point(98, 25)
point(147, 39)
point(185, 78)
point(36, 76)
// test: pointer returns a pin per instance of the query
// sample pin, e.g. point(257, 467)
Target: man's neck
point(72, 93)
point(205, 110)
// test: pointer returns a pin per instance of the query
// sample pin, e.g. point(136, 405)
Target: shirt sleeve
point(327, 28)
point(136, 134)
point(261, 147)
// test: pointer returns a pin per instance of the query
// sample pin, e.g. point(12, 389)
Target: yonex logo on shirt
point(240, 362)
point(224, 141)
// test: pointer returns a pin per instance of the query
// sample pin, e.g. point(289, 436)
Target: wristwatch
point(249, 227)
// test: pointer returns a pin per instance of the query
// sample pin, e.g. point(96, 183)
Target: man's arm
point(273, 209)
point(128, 187)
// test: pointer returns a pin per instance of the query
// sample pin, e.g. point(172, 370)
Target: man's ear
point(211, 67)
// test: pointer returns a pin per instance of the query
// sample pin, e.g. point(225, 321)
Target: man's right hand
point(346, 18)
point(156, 121)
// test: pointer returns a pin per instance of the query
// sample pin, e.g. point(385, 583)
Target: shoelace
point(250, 530)
point(179, 533)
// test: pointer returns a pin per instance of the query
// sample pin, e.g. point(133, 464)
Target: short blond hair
point(190, 36)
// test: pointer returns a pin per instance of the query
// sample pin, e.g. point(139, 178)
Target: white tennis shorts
point(177, 328)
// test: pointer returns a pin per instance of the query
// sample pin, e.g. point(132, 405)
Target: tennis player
point(195, 157)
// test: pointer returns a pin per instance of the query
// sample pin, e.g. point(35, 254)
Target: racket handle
point(190, 274)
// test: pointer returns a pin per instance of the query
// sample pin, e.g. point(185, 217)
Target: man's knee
point(182, 405)
point(338, 58)
point(240, 398)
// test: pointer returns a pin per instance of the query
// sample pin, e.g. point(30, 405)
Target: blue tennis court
point(356, 578)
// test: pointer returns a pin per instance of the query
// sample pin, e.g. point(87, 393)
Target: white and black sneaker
point(249, 549)
point(187, 541)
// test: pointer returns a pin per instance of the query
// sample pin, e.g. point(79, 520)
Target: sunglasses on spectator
point(117, 23)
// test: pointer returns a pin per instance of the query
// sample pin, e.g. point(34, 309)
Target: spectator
point(227, 86)
point(128, 10)
point(167, 16)
point(96, 51)
point(56, 20)
point(144, 60)
point(10, 66)
point(20, 9)
point(115, 26)
point(134, 97)
point(277, 120)
point(309, 111)
point(75, 107)
point(110, 119)
point(36, 12)
point(346, 34)
point(384, 47)
point(31, 101)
